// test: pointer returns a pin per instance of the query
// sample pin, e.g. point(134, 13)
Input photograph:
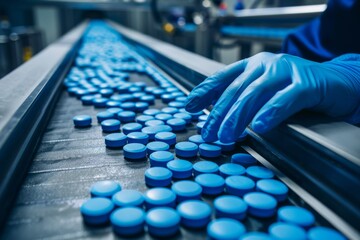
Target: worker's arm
point(267, 88)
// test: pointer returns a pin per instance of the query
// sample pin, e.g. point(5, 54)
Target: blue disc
point(225, 229)
point(203, 117)
point(114, 110)
point(138, 137)
point(100, 102)
point(194, 213)
point(87, 100)
point(208, 150)
point(260, 204)
point(186, 190)
point(160, 158)
point(196, 139)
point(157, 146)
point(170, 110)
point(128, 106)
point(131, 127)
point(256, 236)
point(154, 122)
point(158, 177)
point(177, 94)
point(230, 207)
point(177, 124)
point(96, 211)
point(110, 125)
point(151, 112)
point(82, 121)
point(167, 97)
point(151, 131)
point(176, 104)
point(211, 184)
point(128, 221)
point(137, 96)
point(124, 88)
point(296, 215)
point(134, 151)
point(231, 169)
point(115, 140)
point(142, 119)
point(199, 126)
point(171, 89)
point(106, 92)
point(205, 167)
point(244, 159)
point(148, 99)
point(126, 116)
point(239, 185)
point(141, 106)
point(186, 149)
point(181, 169)
point(134, 90)
point(128, 198)
point(259, 172)
point(273, 187)
point(166, 137)
point(225, 147)
point(181, 99)
point(105, 188)
point(158, 92)
point(162, 222)
point(102, 116)
point(112, 104)
point(159, 197)
point(285, 231)
point(320, 233)
point(185, 116)
point(163, 116)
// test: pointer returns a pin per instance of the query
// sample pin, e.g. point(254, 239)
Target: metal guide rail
point(68, 160)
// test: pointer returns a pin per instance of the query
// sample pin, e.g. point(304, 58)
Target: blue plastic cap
point(243, 159)
point(128, 198)
point(96, 207)
point(211, 184)
point(176, 104)
point(225, 228)
point(230, 207)
point(82, 121)
point(231, 169)
point(199, 126)
point(151, 112)
point(160, 158)
point(320, 233)
point(163, 116)
point(134, 151)
point(194, 213)
point(225, 147)
point(115, 140)
point(127, 217)
point(256, 236)
point(296, 215)
point(196, 139)
point(131, 127)
point(186, 149)
point(128, 106)
point(157, 146)
point(162, 222)
point(143, 118)
point(110, 125)
point(205, 167)
point(260, 204)
point(170, 110)
point(181, 169)
point(166, 137)
point(177, 124)
point(209, 150)
point(186, 190)
point(159, 196)
point(273, 187)
point(151, 131)
point(284, 231)
point(101, 116)
point(154, 122)
point(158, 177)
point(239, 185)
point(105, 189)
point(259, 172)
point(126, 116)
point(114, 110)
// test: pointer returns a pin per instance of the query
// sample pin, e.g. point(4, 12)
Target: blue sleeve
point(335, 32)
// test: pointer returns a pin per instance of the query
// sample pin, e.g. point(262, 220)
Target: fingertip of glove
point(259, 127)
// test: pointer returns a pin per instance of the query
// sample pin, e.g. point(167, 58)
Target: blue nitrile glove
point(268, 88)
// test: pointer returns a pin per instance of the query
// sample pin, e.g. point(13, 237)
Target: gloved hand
point(268, 88)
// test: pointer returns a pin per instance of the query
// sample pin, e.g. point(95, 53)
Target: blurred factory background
point(222, 30)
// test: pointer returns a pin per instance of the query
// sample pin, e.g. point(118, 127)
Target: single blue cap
point(185, 116)
point(243, 159)
point(140, 85)
point(225, 229)
point(134, 89)
point(151, 131)
point(239, 185)
point(186, 190)
point(181, 169)
point(128, 198)
point(126, 116)
point(100, 102)
point(231, 169)
point(128, 221)
point(170, 110)
point(256, 236)
point(105, 188)
point(296, 215)
point(144, 118)
point(259, 172)
point(115, 140)
point(194, 213)
point(167, 97)
point(176, 104)
point(158, 92)
point(203, 117)
point(112, 104)
point(141, 106)
point(177, 124)
point(148, 98)
point(82, 121)
point(154, 122)
point(177, 94)
point(106, 92)
point(162, 222)
point(230, 207)
point(199, 126)
point(131, 127)
point(225, 147)
point(209, 150)
point(181, 99)
point(128, 106)
point(138, 137)
point(320, 233)
point(110, 125)
point(151, 112)
point(260, 204)
point(186, 149)
point(134, 151)
point(163, 116)
point(205, 167)
point(196, 139)
point(157, 146)
point(159, 197)
point(160, 158)
point(158, 177)
point(114, 110)
point(211, 184)
point(285, 231)
point(96, 211)
point(172, 89)
point(87, 100)
point(137, 95)
point(166, 137)
point(273, 187)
